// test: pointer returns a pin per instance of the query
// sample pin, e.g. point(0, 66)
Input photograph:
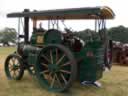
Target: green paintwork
point(53, 36)
point(91, 68)
point(30, 49)
point(31, 52)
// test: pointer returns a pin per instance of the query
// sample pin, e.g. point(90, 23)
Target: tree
point(7, 36)
point(119, 33)
point(86, 34)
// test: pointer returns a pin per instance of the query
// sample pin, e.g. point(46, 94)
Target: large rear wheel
point(56, 68)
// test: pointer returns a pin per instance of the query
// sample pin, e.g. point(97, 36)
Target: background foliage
point(119, 33)
point(8, 36)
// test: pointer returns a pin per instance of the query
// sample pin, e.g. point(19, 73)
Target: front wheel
point(56, 68)
point(14, 67)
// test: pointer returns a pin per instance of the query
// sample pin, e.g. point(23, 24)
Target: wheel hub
point(15, 67)
point(53, 68)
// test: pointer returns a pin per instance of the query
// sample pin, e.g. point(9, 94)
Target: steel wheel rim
point(13, 67)
point(55, 79)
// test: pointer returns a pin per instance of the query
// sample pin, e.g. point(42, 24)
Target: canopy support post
point(26, 27)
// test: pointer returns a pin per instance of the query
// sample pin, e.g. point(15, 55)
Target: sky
point(119, 7)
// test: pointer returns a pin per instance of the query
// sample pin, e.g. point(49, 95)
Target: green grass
point(6, 50)
point(114, 83)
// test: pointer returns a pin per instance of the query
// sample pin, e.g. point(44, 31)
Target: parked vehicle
point(56, 59)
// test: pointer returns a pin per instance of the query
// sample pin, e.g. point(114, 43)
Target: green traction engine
point(56, 58)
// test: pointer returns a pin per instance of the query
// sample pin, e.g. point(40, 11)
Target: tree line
point(120, 33)
point(8, 36)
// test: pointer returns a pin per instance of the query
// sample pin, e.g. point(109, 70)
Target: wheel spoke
point(16, 62)
point(51, 56)
point(56, 54)
point(65, 64)
point(65, 81)
point(45, 71)
point(10, 66)
point(58, 62)
point(14, 74)
point(49, 76)
point(11, 70)
point(65, 71)
point(46, 58)
point(18, 70)
point(13, 60)
point(53, 81)
point(46, 65)
point(10, 62)
point(58, 80)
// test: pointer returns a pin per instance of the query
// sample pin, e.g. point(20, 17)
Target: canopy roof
point(72, 13)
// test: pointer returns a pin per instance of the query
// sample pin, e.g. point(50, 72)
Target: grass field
point(114, 83)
